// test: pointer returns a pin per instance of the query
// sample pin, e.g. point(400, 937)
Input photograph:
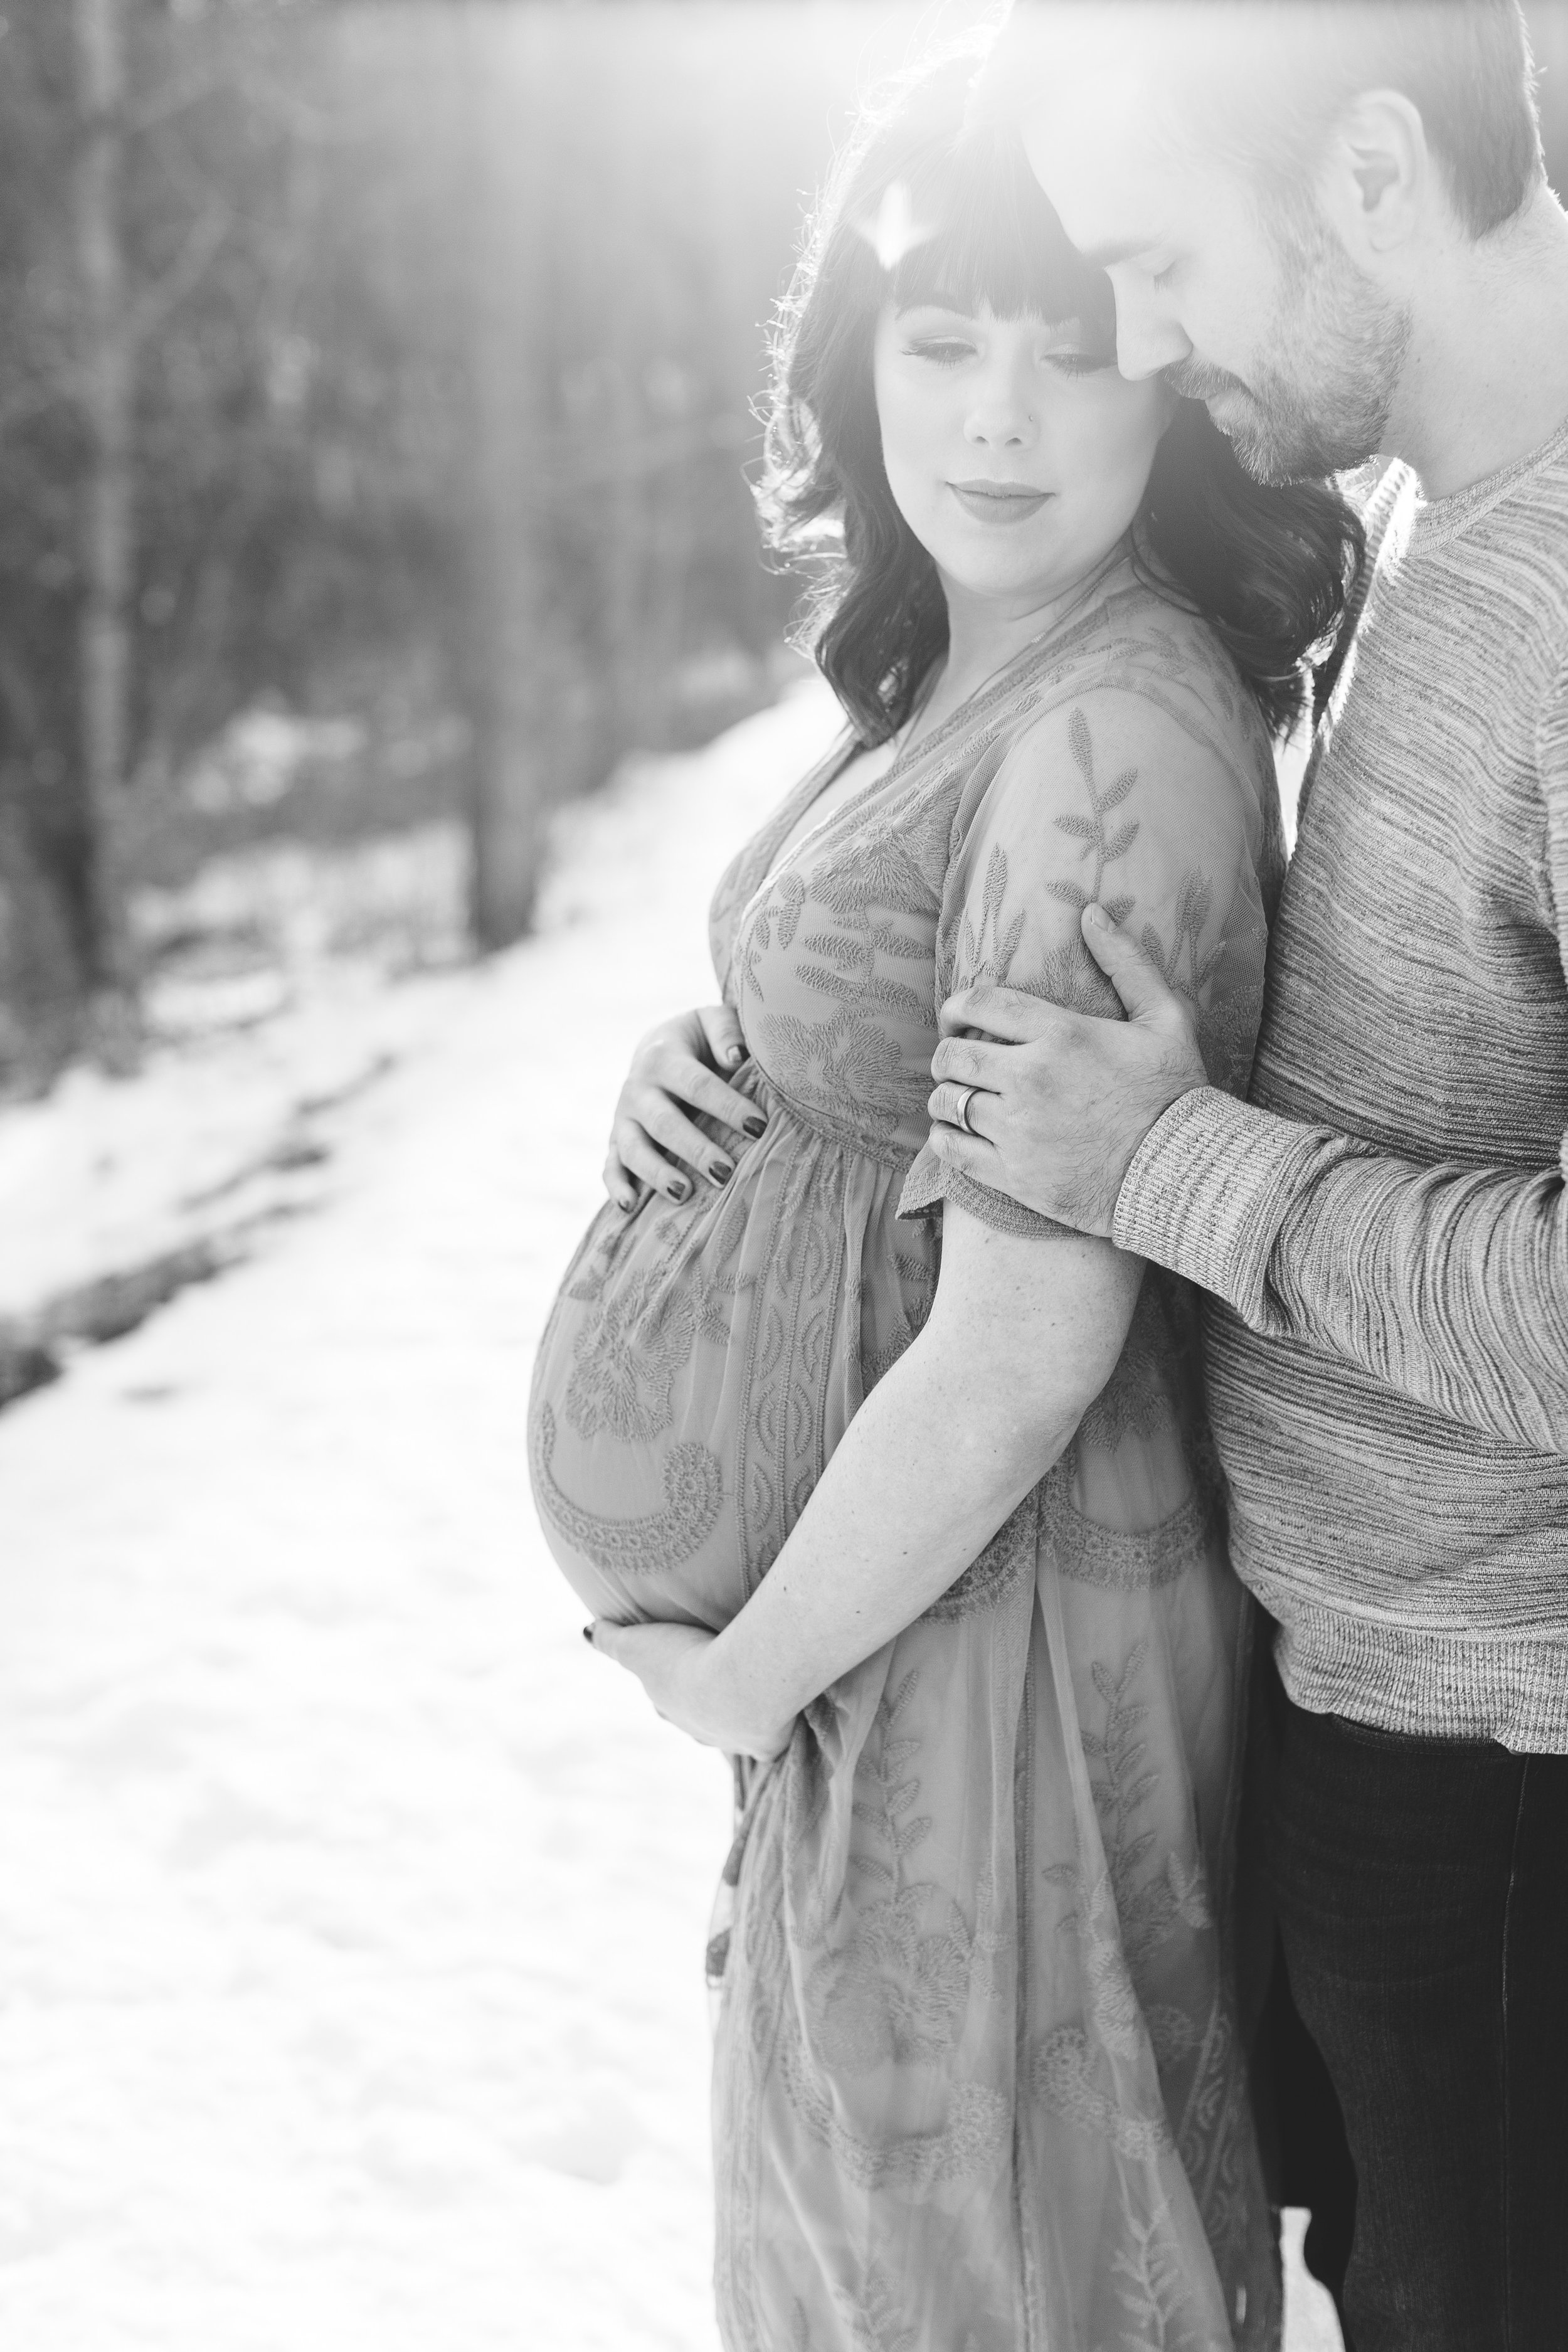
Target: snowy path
point(351, 1915)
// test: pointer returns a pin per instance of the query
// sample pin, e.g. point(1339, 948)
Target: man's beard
point(1329, 407)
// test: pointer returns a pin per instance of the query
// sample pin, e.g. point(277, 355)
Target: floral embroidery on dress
point(641, 1329)
point(1120, 1920)
point(821, 1066)
point(1135, 1560)
point(1136, 1400)
point(1187, 965)
point(1008, 1558)
point(800, 1301)
point(1228, 1037)
point(899, 1989)
point(1065, 2075)
point(876, 2322)
point(1127, 1915)
point(1107, 846)
point(916, 1290)
point(987, 950)
point(1214, 2134)
point(649, 1545)
point(1122, 1782)
point(1153, 2293)
point(852, 1057)
point(1068, 975)
point(630, 1350)
point(1068, 2071)
point(778, 912)
point(970, 2142)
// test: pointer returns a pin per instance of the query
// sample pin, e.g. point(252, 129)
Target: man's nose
point(1147, 338)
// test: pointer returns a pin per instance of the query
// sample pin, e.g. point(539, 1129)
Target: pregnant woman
point(872, 1475)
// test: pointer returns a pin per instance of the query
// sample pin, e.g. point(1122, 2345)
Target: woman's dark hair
point(1269, 567)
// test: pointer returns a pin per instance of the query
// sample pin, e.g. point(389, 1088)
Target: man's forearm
point(1446, 1283)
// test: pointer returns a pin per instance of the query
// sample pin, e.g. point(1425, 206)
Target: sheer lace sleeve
point(1127, 799)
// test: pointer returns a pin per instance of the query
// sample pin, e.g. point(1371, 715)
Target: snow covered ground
point(351, 1912)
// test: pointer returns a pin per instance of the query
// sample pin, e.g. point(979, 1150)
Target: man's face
point(1260, 313)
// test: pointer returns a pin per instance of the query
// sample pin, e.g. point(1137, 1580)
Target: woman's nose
point(1002, 415)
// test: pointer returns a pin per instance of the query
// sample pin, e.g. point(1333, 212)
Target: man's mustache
point(1193, 380)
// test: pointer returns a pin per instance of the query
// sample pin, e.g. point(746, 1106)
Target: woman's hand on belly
point(675, 1665)
point(674, 1070)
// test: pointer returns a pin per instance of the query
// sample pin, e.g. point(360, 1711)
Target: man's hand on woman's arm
point(675, 1070)
point(1065, 1098)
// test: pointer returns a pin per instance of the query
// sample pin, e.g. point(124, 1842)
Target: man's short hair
point(1266, 81)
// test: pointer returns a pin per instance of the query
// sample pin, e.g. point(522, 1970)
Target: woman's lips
point(999, 502)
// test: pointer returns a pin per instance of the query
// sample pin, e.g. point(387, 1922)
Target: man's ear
point(1376, 180)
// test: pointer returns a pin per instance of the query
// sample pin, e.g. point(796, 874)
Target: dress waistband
point(751, 1080)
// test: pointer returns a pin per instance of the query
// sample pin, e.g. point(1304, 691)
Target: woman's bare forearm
point(903, 1507)
point(943, 1450)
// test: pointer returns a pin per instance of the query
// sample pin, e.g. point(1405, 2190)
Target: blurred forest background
point(375, 406)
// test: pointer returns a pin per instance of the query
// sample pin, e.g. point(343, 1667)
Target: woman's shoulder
point(1153, 680)
point(1141, 685)
point(1150, 645)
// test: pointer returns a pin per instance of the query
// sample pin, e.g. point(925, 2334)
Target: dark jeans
point(1422, 1894)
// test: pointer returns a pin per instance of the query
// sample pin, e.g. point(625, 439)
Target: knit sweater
point(1383, 1227)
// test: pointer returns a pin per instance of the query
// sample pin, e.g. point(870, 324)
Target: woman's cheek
point(1141, 439)
point(1118, 461)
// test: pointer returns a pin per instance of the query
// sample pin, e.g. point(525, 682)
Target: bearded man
point(1331, 223)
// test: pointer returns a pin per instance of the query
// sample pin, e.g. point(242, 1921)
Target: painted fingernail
point(755, 1125)
point(721, 1170)
point(677, 1189)
point(588, 1635)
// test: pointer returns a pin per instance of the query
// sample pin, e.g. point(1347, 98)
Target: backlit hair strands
point(951, 205)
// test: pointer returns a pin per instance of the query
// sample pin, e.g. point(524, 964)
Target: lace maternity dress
point(978, 2086)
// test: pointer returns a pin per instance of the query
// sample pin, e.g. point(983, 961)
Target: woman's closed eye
point(946, 350)
point(1078, 362)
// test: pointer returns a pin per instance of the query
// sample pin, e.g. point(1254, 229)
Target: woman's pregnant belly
point(701, 1363)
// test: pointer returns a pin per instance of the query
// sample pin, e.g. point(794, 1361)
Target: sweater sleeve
point(1449, 1284)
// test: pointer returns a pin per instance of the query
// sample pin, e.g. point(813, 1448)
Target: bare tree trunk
point(108, 393)
point(515, 700)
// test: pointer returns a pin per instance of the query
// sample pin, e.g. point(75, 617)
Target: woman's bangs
point(1000, 246)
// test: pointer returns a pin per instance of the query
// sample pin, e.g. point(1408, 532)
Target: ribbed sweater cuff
point(1208, 1192)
